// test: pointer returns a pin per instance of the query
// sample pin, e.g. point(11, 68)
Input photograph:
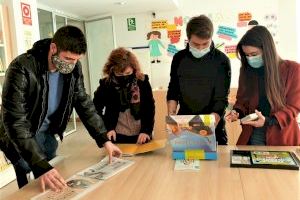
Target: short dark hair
point(201, 26)
point(70, 38)
point(253, 22)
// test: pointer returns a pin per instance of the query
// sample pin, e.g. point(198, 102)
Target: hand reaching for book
point(53, 180)
point(143, 137)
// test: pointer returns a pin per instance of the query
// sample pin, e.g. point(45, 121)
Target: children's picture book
point(192, 132)
point(187, 165)
point(86, 180)
point(133, 149)
point(264, 159)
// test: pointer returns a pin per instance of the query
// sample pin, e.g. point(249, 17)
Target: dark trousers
point(48, 145)
point(221, 134)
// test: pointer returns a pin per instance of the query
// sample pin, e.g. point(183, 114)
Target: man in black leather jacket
point(41, 89)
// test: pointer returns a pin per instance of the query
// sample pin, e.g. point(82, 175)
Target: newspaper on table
point(86, 180)
point(103, 171)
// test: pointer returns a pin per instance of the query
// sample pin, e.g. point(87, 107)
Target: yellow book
point(132, 149)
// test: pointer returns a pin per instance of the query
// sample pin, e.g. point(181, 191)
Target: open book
point(132, 149)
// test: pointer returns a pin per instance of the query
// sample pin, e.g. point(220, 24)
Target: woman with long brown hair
point(270, 87)
point(124, 99)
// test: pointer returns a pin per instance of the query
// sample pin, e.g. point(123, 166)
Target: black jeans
point(48, 145)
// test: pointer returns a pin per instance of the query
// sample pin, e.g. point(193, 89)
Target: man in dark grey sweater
point(200, 76)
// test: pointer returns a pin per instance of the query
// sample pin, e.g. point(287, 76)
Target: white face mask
point(199, 53)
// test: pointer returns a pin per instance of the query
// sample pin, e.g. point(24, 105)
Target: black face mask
point(125, 80)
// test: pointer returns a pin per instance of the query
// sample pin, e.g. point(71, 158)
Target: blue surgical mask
point(255, 61)
point(199, 53)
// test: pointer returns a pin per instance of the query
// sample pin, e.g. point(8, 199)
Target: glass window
point(60, 21)
point(45, 23)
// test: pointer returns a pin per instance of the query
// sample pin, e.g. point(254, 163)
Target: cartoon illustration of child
point(154, 43)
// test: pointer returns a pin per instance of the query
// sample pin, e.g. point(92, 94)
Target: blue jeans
point(48, 144)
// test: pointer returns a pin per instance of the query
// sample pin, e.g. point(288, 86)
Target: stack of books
point(192, 137)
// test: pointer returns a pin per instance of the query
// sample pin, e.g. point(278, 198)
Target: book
point(192, 132)
point(194, 155)
point(264, 159)
point(86, 180)
point(187, 165)
point(250, 117)
point(133, 149)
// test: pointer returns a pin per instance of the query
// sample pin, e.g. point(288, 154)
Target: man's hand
point(113, 150)
point(53, 180)
point(143, 137)
point(217, 118)
point(112, 135)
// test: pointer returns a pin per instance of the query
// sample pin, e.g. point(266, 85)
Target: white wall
point(22, 35)
point(222, 12)
point(287, 29)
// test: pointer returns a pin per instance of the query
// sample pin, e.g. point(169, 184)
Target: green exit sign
point(131, 25)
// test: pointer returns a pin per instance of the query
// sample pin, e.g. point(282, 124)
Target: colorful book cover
point(264, 159)
point(272, 158)
point(194, 155)
point(191, 132)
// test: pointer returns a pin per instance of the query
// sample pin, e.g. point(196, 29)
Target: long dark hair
point(260, 37)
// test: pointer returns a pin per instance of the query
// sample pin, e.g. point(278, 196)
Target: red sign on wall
point(26, 14)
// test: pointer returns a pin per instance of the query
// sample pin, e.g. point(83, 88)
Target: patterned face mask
point(61, 65)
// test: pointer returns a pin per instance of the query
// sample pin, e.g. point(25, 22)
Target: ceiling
point(92, 8)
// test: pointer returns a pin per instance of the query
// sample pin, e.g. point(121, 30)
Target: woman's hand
point(143, 137)
point(260, 122)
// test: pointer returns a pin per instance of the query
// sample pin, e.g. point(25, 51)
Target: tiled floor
point(70, 145)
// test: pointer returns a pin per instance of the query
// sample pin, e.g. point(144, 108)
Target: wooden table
point(153, 177)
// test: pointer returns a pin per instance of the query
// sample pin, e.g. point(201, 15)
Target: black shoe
point(153, 61)
point(158, 61)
